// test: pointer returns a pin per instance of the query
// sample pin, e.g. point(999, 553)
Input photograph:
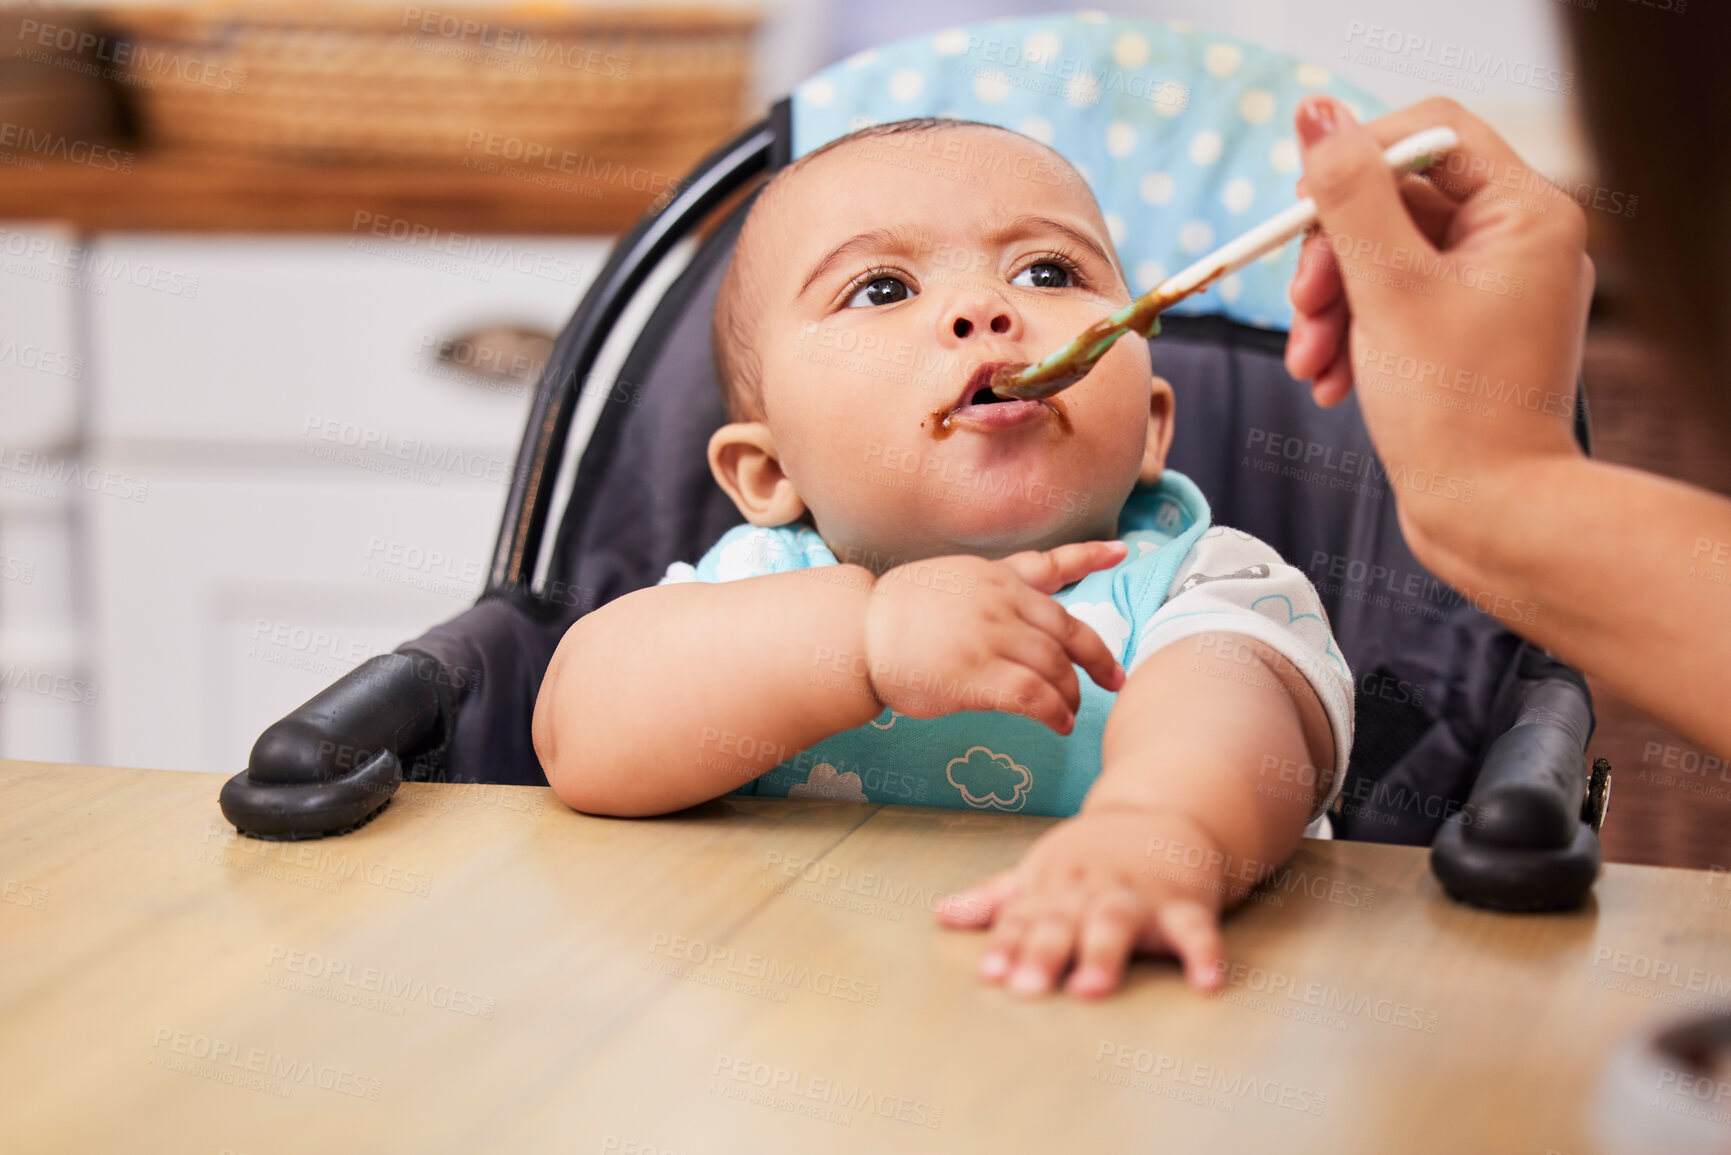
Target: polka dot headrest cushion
point(1185, 137)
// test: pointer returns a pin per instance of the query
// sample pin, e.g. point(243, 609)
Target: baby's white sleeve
point(1232, 583)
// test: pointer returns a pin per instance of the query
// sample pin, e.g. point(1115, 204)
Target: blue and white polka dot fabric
point(1185, 137)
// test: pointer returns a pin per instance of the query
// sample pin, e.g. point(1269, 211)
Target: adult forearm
point(1220, 741)
point(675, 694)
point(1618, 572)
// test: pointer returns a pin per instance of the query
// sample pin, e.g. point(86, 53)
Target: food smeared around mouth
point(980, 408)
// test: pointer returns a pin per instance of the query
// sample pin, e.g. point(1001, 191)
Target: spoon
point(1142, 316)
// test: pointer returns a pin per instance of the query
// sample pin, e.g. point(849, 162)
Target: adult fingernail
point(994, 964)
point(1028, 980)
point(1317, 117)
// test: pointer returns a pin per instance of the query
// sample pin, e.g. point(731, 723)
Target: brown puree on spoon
point(1075, 359)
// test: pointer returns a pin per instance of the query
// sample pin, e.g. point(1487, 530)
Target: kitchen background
point(270, 318)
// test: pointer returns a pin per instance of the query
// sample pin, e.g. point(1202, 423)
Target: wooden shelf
point(169, 192)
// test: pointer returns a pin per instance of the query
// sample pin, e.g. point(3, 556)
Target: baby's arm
point(1202, 730)
point(675, 694)
point(1195, 800)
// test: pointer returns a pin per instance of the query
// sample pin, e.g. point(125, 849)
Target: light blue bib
point(982, 759)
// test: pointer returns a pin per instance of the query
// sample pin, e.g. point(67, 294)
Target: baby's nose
point(981, 316)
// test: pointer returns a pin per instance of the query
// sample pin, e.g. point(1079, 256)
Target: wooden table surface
point(481, 969)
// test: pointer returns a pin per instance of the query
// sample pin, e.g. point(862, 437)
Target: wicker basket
point(589, 88)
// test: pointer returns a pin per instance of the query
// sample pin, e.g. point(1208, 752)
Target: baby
point(941, 598)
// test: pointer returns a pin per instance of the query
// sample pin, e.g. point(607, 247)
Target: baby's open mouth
point(977, 393)
point(980, 410)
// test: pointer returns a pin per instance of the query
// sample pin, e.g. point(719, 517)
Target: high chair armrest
point(1527, 838)
point(334, 762)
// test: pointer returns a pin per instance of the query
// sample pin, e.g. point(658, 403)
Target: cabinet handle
point(495, 353)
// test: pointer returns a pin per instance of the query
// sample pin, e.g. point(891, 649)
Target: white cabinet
point(46, 696)
point(254, 341)
point(42, 366)
point(236, 592)
point(278, 477)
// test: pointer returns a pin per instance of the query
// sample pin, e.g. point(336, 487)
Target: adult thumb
point(1358, 203)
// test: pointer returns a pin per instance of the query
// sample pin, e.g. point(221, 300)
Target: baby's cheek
point(1117, 424)
point(857, 488)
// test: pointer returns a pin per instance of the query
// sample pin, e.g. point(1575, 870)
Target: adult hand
point(1457, 301)
point(1455, 307)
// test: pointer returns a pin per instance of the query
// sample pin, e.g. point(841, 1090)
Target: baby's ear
point(743, 458)
point(1160, 408)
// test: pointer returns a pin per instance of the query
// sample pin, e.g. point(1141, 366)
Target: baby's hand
point(1087, 890)
point(963, 633)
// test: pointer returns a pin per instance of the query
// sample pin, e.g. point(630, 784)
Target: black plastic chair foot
point(1515, 878)
point(288, 812)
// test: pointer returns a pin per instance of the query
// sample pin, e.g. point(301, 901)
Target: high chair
point(1468, 739)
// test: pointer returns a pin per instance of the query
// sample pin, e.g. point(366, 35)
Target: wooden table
point(481, 969)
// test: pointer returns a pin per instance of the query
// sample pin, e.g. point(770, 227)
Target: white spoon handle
point(1412, 153)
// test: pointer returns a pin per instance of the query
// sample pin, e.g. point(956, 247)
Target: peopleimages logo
point(693, 956)
point(1227, 1087)
point(499, 38)
point(58, 146)
point(1281, 991)
point(466, 248)
point(133, 62)
point(1446, 61)
point(42, 475)
point(832, 1099)
point(333, 978)
point(597, 170)
point(47, 683)
point(90, 268)
point(261, 1068)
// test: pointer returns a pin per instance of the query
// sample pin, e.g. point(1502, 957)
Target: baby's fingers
point(977, 905)
point(1081, 643)
point(1004, 940)
point(1045, 952)
point(1028, 646)
point(1192, 932)
point(1024, 691)
point(1109, 932)
point(1050, 570)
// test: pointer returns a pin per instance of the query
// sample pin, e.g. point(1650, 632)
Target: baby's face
point(897, 272)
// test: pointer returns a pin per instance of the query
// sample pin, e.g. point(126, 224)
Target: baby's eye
point(1043, 275)
point(880, 291)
